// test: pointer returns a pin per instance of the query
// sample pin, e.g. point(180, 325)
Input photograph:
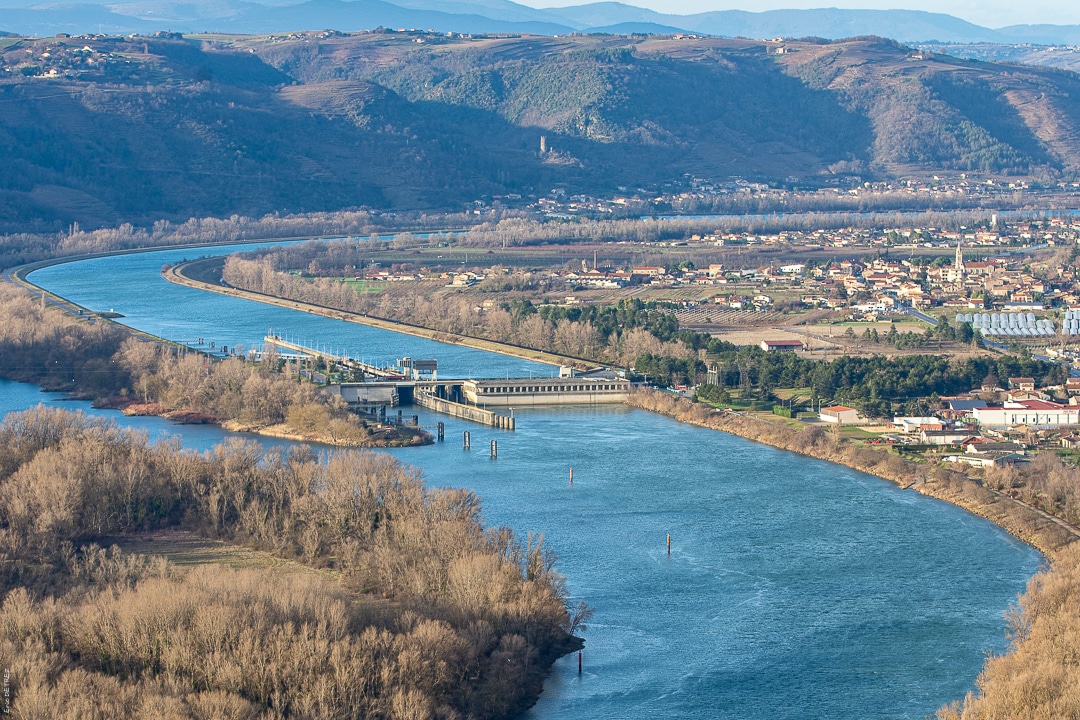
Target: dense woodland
point(101, 361)
point(426, 614)
point(876, 385)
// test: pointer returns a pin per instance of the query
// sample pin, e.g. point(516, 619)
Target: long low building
point(545, 391)
point(1033, 413)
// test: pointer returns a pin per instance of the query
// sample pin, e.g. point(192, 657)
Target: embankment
point(1031, 525)
point(182, 275)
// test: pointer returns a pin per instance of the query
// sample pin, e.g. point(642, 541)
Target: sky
point(988, 13)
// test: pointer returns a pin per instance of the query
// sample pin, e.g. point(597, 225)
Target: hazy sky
point(988, 13)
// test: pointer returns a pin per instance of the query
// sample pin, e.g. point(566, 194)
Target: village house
point(1023, 384)
point(959, 408)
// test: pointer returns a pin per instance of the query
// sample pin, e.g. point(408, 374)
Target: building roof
point(782, 343)
point(979, 448)
point(966, 404)
point(1040, 405)
point(838, 409)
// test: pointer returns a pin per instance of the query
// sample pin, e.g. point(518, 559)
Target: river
point(795, 588)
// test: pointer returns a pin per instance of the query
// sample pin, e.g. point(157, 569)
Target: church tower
point(959, 264)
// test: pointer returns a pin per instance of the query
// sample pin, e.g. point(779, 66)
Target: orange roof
point(837, 408)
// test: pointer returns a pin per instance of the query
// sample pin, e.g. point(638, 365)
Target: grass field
point(366, 287)
point(186, 549)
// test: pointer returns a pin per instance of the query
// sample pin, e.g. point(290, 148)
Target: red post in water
point(669, 544)
point(578, 662)
point(571, 476)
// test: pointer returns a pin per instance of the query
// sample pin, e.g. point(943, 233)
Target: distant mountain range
point(35, 18)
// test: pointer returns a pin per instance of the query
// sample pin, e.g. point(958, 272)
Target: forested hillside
point(106, 130)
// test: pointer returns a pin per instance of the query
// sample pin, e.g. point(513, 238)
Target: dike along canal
point(794, 589)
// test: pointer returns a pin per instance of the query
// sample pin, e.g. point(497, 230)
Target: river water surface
point(794, 589)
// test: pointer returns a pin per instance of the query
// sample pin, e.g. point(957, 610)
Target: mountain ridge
point(28, 17)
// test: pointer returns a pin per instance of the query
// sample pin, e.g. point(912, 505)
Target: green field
point(367, 287)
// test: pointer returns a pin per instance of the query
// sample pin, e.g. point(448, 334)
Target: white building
point(840, 415)
point(1033, 413)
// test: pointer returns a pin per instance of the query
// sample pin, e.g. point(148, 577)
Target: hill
point(103, 130)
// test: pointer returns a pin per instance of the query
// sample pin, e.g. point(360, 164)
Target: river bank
point(383, 436)
point(176, 274)
point(1031, 525)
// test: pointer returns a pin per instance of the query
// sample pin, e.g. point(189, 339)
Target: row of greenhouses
point(1016, 324)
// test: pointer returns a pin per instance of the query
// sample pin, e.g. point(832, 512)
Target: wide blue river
point(794, 589)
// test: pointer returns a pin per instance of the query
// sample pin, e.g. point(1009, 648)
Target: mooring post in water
point(578, 662)
point(669, 543)
point(571, 477)
point(494, 448)
point(466, 440)
point(442, 431)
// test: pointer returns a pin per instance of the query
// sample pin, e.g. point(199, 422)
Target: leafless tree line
point(454, 315)
point(505, 226)
point(1039, 676)
point(101, 361)
point(434, 616)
